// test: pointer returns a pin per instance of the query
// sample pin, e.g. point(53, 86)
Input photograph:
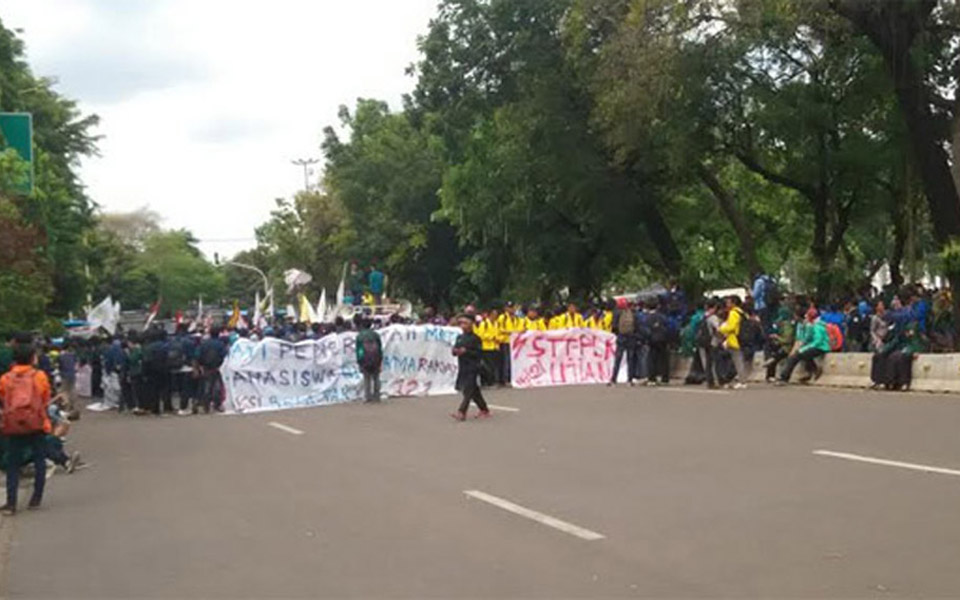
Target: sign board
point(563, 357)
point(16, 132)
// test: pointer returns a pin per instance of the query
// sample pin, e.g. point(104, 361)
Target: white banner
point(563, 357)
point(275, 375)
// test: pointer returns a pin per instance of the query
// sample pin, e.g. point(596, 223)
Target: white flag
point(104, 315)
point(295, 278)
point(257, 314)
point(322, 306)
point(342, 288)
point(291, 313)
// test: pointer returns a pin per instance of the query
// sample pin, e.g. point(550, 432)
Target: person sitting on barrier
point(813, 343)
point(780, 341)
point(892, 367)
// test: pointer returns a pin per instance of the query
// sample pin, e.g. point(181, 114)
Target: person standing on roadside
point(369, 348)
point(624, 326)
point(708, 340)
point(67, 365)
point(658, 339)
point(508, 323)
point(489, 338)
point(731, 330)
point(468, 350)
point(210, 356)
point(24, 397)
point(355, 283)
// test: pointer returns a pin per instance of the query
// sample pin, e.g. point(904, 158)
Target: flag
point(154, 311)
point(295, 278)
point(198, 320)
point(307, 313)
point(178, 317)
point(257, 314)
point(272, 310)
point(322, 306)
point(104, 315)
point(235, 316)
point(342, 288)
point(291, 313)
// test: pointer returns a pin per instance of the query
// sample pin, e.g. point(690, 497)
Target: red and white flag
point(154, 310)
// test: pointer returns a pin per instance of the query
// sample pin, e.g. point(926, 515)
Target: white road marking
point(888, 463)
point(503, 408)
point(286, 428)
point(580, 532)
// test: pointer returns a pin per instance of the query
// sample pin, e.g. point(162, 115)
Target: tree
point(59, 209)
point(386, 178)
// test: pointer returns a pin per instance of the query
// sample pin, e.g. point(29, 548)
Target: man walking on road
point(24, 396)
point(370, 358)
point(469, 353)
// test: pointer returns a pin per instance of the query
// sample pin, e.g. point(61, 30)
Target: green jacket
point(812, 336)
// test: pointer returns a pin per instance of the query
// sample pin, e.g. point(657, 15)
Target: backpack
point(659, 329)
point(703, 337)
point(155, 357)
point(210, 355)
point(771, 294)
point(626, 323)
point(835, 335)
point(175, 359)
point(749, 332)
point(371, 358)
point(23, 406)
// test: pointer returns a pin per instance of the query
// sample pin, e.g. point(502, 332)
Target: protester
point(879, 326)
point(781, 340)
point(658, 338)
point(468, 350)
point(730, 328)
point(508, 323)
point(813, 343)
point(375, 281)
point(24, 397)
point(369, 350)
point(355, 284)
point(210, 357)
point(624, 326)
point(67, 365)
point(709, 340)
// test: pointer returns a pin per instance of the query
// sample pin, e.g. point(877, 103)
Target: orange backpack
point(835, 334)
point(23, 405)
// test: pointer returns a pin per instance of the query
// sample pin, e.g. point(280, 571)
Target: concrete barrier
point(931, 372)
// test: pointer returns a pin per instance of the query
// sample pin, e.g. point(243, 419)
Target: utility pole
point(306, 163)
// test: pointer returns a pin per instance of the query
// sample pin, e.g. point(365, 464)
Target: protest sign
point(563, 357)
point(275, 375)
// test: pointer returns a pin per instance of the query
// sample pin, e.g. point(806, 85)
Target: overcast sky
point(205, 102)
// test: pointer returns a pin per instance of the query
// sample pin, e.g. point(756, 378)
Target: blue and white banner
point(274, 375)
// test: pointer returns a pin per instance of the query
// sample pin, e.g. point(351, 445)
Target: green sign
point(16, 131)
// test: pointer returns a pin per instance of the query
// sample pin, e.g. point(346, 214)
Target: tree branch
point(774, 177)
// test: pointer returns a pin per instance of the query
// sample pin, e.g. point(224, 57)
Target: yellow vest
point(607, 323)
point(487, 332)
point(592, 323)
point(507, 324)
point(534, 324)
point(571, 322)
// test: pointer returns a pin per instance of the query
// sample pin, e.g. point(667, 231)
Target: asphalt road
point(696, 494)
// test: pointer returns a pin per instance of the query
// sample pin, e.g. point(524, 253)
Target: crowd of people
point(143, 372)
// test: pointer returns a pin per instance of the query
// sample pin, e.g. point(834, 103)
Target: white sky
point(205, 102)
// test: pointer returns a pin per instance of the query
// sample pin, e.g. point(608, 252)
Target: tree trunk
point(661, 237)
point(818, 248)
point(728, 207)
point(899, 244)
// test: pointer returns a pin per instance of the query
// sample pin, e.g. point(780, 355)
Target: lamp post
point(306, 163)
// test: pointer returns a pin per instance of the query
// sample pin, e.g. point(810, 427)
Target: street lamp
point(230, 263)
point(306, 163)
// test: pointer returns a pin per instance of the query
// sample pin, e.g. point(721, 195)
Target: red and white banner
point(562, 357)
